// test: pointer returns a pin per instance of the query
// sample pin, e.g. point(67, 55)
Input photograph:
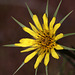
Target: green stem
point(36, 71)
point(46, 71)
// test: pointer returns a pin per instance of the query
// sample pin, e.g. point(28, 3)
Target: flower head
point(44, 40)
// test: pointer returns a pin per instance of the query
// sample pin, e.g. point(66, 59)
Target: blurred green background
point(11, 32)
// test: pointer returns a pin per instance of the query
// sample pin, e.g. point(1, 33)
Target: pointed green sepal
point(47, 8)
point(36, 71)
point(65, 17)
point(19, 68)
point(69, 34)
point(18, 22)
point(68, 48)
point(55, 14)
point(10, 45)
point(46, 68)
point(30, 12)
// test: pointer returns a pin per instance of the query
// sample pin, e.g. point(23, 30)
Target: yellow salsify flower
point(44, 42)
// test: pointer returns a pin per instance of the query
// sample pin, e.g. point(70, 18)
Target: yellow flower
point(44, 41)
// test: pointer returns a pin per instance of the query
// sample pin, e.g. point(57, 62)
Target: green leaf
point(47, 8)
point(55, 14)
point(69, 34)
point(68, 48)
point(36, 71)
point(10, 45)
point(65, 17)
point(19, 68)
point(30, 12)
point(18, 22)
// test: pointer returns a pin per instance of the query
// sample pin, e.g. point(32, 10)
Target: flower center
point(45, 40)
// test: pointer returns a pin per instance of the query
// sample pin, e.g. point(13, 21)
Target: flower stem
point(36, 71)
point(46, 71)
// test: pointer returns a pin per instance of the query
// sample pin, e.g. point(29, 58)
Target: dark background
point(11, 32)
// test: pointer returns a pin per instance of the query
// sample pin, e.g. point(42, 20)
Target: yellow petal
point(46, 60)
point(21, 45)
point(59, 36)
point(54, 54)
point(31, 32)
point(37, 23)
point(30, 56)
point(28, 49)
point(25, 42)
point(51, 26)
point(45, 21)
point(56, 27)
point(58, 47)
point(33, 27)
point(52, 23)
point(38, 61)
